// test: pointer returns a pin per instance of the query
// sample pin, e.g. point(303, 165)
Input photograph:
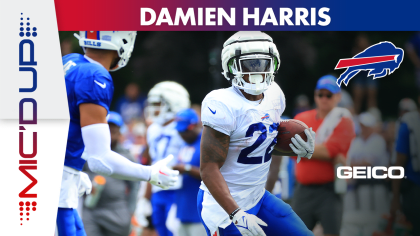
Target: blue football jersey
point(86, 82)
point(189, 154)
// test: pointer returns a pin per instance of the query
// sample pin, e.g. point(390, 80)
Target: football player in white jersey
point(164, 100)
point(240, 130)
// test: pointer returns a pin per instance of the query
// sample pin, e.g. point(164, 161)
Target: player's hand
point(162, 176)
point(248, 225)
point(85, 185)
point(179, 167)
point(302, 148)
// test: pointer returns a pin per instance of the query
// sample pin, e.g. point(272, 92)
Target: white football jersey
point(162, 141)
point(252, 127)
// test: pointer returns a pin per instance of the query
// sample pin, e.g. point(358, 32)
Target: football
point(287, 130)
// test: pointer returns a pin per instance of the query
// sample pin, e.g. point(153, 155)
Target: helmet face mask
point(252, 73)
point(250, 61)
point(157, 111)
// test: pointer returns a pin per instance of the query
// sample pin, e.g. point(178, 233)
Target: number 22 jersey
point(252, 127)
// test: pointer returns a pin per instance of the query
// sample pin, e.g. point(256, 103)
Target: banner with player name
point(266, 15)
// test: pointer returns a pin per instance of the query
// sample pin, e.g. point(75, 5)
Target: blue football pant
point(69, 223)
point(161, 204)
point(279, 216)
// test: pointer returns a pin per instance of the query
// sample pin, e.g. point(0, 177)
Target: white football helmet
point(120, 41)
point(252, 53)
point(164, 100)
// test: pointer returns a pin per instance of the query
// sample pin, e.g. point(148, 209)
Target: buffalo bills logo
point(380, 60)
point(266, 116)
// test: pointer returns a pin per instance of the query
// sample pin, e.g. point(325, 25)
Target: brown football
point(287, 130)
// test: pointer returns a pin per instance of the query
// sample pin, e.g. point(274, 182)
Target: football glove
point(85, 185)
point(161, 175)
point(248, 225)
point(302, 148)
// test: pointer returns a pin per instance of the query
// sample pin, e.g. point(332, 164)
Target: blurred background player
point(346, 101)
point(366, 199)
point(406, 191)
point(412, 48)
point(189, 127)
point(364, 86)
point(164, 100)
point(135, 139)
point(131, 104)
point(89, 93)
point(314, 198)
point(112, 213)
point(240, 130)
point(405, 105)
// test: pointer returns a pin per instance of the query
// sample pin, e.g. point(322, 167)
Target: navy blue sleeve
point(403, 140)
point(94, 88)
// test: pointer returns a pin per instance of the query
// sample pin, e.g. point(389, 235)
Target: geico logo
point(368, 172)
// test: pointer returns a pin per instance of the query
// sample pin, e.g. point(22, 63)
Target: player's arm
point(193, 171)
point(214, 148)
point(104, 161)
point(148, 193)
point(146, 156)
point(273, 173)
point(321, 153)
point(213, 153)
point(339, 141)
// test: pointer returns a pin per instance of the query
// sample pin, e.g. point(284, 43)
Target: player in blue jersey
point(89, 93)
point(189, 127)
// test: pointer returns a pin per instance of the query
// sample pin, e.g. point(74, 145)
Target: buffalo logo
point(266, 116)
point(380, 60)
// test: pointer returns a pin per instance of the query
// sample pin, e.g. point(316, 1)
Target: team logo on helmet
point(120, 41)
